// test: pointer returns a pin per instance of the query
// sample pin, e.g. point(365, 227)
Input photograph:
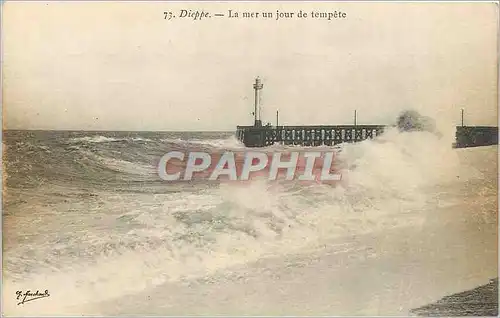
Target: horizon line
point(110, 130)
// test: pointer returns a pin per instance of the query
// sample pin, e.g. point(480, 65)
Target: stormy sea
point(87, 219)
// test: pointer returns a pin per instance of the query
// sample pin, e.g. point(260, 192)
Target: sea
point(86, 216)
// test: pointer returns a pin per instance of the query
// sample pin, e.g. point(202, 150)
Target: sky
point(122, 66)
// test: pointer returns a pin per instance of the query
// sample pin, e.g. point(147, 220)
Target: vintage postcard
point(249, 158)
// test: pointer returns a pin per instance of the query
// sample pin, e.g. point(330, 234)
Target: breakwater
point(474, 136)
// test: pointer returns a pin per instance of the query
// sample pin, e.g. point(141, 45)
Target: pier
point(475, 136)
point(264, 136)
point(260, 135)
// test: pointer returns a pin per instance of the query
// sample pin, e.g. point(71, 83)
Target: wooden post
point(277, 118)
point(355, 117)
point(462, 117)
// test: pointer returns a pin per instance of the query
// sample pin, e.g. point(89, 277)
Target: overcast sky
point(122, 66)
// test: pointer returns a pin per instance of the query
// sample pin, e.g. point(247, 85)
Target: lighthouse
point(257, 87)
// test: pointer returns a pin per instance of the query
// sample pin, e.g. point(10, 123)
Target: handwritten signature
point(28, 295)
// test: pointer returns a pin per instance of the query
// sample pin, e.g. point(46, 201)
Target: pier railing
point(253, 136)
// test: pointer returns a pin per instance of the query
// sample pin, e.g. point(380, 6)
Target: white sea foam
point(103, 139)
point(126, 243)
point(225, 143)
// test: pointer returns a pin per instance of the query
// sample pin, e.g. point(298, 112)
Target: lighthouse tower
point(257, 87)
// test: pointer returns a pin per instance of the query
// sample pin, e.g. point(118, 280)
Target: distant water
point(87, 209)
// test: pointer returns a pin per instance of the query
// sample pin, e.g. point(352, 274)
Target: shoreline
point(383, 273)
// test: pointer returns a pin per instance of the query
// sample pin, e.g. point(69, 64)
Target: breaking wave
point(117, 229)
